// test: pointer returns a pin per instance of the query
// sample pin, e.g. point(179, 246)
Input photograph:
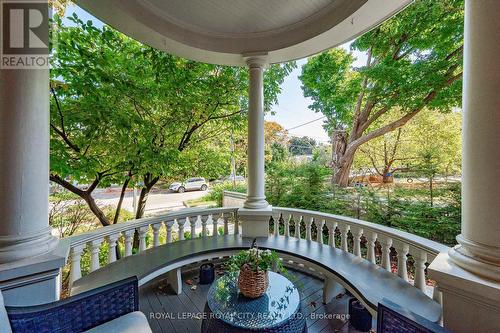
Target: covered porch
point(350, 254)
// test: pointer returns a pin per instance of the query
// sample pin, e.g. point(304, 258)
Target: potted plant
point(253, 265)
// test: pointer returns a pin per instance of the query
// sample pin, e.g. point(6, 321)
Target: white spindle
point(169, 225)
point(402, 252)
point(371, 237)
point(215, 222)
point(356, 238)
point(276, 219)
point(192, 224)
point(344, 230)
point(319, 229)
point(236, 223)
point(111, 240)
point(420, 258)
point(226, 223)
point(296, 219)
point(156, 234)
point(142, 231)
point(128, 237)
point(76, 269)
point(94, 254)
point(287, 225)
point(180, 224)
point(309, 223)
point(204, 220)
point(386, 243)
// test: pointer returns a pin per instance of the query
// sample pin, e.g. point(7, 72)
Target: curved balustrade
point(353, 235)
point(212, 222)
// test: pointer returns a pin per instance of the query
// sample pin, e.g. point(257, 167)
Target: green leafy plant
point(256, 259)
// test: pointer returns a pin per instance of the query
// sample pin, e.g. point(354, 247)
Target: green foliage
point(217, 191)
point(302, 146)
point(255, 259)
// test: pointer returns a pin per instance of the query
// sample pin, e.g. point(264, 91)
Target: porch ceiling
point(225, 31)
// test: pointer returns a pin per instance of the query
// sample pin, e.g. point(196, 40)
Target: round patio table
point(278, 310)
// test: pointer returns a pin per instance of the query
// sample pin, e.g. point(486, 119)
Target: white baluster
point(192, 223)
point(94, 254)
point(180, 224)
point(128, 237)
point(344, 229)
point(156, 234)
point(76, 269)
point(226, 223)
point(276, 219)
point(204, 226)
point(319, 228)
point(309, 223)
point(420, 258)
point(215, 222)
point(371, 237)
point(169, 225)
point(386, 243)
point(236, 223)
point(402, 251)
point(111, 240)
point(296, 219)
point(142, 231)
point(287, 225)
point(331, 233)
point(356, 238)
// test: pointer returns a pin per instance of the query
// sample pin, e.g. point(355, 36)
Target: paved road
point(158, 200)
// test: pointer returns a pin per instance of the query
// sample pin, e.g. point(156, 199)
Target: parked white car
point(191, 184)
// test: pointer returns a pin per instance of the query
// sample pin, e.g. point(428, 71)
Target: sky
point(292, 108)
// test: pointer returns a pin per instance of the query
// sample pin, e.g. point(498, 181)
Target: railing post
point(94, 254)
point(128, 236)
point(169, 225)
point(297, 219)
point(356, 239)
point(287, 225)
point(309, 222)
point(420, 258)
point(236, 223)
point(111, 248)
point(331, 233)
point(142, 231)
point(215, 221)
point(226, 223)
point(76, 269)
point(402, 251)
point(192, 223)
point(344, 229)
point(386, 243)
point(204, 226)
point(371, 238)
point(156, 234)
point(276, 220)
point(319, 229)
point(180, 225)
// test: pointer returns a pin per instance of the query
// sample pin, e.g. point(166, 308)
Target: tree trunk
point(341, 171)
point(120, 201)
point(96, 210)
point(149, 182)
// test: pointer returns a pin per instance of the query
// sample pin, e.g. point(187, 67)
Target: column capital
point(256, 60)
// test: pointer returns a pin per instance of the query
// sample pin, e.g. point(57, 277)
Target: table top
point(280, 302)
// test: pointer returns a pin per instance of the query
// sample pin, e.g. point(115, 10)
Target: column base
point(13, 248)
point(477, 258)
point(470, 302)
point(36, 280)
point(255, 222)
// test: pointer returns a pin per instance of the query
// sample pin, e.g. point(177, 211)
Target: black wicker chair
point(78, 313)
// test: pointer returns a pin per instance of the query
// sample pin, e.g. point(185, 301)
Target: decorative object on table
point(207, 273)
point(278, 310)
point(253, 266)
point(359, 316)
point(394, 318)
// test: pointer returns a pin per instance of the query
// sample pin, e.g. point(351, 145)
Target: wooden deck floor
point(167, 312)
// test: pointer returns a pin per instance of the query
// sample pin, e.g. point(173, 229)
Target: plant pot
point(253, 284)
point(207, 273)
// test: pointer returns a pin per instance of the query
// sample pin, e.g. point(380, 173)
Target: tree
point(301, 145)
point(122, 112)
point(414, 61)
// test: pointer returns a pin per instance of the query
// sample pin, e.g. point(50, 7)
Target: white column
point(256, 197)
point(24, 161)
point(256, 212)
point(469, 275)
point(479, 249)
